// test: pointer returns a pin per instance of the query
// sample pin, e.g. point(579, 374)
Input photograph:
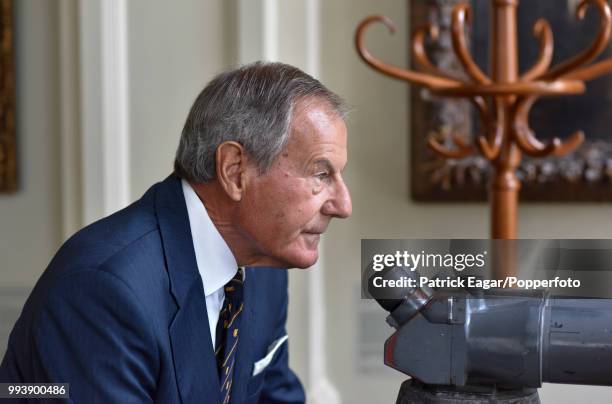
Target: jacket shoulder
point(98, 242)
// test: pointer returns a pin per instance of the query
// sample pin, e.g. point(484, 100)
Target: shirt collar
point(215, 260)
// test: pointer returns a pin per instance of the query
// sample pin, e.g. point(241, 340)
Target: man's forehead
point(322, 149)
point(317, 122)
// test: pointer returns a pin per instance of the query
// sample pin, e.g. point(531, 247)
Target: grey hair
point(251, 105)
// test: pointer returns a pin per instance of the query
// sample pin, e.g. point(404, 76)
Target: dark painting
point(584, 175)
point(8, 164)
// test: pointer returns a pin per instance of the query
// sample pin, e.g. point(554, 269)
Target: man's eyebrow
point(323, 162)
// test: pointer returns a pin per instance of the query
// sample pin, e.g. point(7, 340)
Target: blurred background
point(102, 91)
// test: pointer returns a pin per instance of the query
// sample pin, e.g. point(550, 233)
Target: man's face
point(284, 211)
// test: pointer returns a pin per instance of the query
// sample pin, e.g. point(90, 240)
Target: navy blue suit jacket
point(120, 314)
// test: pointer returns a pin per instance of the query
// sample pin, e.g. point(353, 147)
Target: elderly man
point(176, 298)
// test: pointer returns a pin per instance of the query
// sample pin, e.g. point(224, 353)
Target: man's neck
point(222, 210)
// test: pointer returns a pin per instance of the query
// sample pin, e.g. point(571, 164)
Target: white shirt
point(215, 260)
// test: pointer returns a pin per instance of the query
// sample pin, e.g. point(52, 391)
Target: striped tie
point(227, 334)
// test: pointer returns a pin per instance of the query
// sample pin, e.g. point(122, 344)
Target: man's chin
point(304, 261)
point(301, 261)
point(305, 266)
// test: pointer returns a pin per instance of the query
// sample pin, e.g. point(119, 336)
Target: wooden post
point(504, 186)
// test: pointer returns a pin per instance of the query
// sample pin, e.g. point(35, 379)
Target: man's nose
point(340, 204)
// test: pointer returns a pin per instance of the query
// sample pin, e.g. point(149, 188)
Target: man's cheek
point(280, 217)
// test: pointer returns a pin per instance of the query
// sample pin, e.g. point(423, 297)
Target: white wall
point(30, 219)
point(174, 48)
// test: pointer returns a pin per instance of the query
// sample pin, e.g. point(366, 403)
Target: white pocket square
point(261, 364)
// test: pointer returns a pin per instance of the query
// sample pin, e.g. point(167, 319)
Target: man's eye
point(322, 175)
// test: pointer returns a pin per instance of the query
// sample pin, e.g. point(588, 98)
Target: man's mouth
point(311, 238)
point(314, 235)
point(316, 230)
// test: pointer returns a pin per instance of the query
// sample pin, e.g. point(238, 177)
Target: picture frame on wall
point(582, 176)
point(8, 157)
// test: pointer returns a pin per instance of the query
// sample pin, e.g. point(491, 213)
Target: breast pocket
point(261, 364)
point(256, 382)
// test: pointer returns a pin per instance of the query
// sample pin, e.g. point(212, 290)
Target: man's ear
point(231, 164)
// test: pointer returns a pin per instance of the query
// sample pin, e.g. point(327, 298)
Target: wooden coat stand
point(503, 98)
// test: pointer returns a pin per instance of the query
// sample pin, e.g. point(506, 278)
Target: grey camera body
point(508, 339)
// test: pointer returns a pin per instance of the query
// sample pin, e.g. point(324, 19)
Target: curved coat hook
point(463, 149)
point(490, 145)
point(527, 141)
point(460, 14)
point(426, 80)
point(592, 71)
point(419, 54)
point(542, 31)
point(598, 45)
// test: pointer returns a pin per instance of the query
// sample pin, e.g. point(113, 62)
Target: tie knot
point(233, 288)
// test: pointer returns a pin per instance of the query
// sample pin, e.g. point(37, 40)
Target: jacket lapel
point(194, 361)
point(244, 366)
